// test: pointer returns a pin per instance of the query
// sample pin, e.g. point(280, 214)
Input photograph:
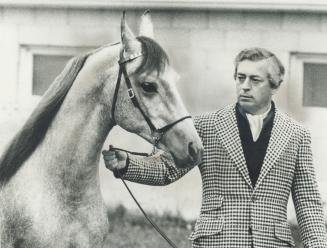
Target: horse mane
point(33, 131)
point(36, 126)
point(155, 58)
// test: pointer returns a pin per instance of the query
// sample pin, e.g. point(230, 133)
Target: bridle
point(156, 133)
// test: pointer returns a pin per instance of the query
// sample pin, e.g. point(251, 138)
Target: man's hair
point(275, 72)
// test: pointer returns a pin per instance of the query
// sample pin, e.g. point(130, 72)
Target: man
point(255, 157)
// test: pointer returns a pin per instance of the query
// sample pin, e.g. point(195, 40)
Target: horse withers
point(49, 180)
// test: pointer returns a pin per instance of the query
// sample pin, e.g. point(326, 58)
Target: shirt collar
point(268, 117)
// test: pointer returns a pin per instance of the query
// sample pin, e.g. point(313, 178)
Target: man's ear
point(274, 89)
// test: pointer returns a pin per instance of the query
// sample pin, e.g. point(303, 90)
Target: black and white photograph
point(163, 123)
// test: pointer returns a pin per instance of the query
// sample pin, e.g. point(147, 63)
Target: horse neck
point(75, 138)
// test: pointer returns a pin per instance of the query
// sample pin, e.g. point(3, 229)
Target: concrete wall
point(201, 45)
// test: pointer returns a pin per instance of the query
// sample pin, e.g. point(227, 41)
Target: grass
point(132, 230)
point(296, 235)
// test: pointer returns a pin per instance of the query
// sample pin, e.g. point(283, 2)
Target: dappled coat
point(233, 212)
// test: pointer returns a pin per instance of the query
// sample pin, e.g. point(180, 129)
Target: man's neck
point(263, 111)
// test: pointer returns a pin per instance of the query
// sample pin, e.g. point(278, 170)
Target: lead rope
point(162, 233)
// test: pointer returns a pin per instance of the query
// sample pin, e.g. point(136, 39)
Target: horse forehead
point(169, 76)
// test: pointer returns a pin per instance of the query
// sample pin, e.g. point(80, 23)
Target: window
point(307, 88)
point(45, 70)
point(39, 66)
point(314, 84)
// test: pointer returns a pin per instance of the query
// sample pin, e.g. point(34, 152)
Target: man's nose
point(246, 85)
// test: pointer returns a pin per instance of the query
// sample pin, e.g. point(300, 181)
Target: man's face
point(254, 92)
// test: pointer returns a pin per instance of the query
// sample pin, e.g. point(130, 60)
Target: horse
point(49, 173)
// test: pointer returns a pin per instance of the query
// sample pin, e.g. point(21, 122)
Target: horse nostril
point(192, 151)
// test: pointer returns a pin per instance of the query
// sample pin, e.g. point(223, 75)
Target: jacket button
point(253, 198)
point(250, 230)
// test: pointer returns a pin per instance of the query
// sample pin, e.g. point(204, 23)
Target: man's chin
point(246, 103)
point(247, 106)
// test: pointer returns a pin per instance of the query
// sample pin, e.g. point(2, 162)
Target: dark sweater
point(254, 151)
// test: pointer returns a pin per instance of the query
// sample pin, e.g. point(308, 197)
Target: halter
point(156, 133)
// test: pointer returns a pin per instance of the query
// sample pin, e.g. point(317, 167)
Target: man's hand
point(114, 159)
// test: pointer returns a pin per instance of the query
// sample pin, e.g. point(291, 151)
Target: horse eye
point(149, 87)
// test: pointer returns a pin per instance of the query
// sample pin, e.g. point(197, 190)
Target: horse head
point(159, 112)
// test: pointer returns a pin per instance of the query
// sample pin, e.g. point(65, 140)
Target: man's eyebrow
point(250, 76)
point(255, 76)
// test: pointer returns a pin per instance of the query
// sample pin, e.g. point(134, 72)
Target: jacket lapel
point(228, 135)
point(280, 135)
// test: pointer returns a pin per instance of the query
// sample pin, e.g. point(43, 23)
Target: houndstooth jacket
point(233, 212)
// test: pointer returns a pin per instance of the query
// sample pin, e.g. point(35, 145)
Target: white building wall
point(201, 44)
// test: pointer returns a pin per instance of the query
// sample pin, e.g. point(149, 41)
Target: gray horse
point(49, 177)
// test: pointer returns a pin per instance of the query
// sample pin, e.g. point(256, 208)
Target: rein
point(156, 133)
point(153, 224)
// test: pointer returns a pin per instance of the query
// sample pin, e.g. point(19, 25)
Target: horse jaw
point(184, 145)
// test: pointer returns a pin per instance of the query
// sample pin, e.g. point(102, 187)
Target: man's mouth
point(245, 96)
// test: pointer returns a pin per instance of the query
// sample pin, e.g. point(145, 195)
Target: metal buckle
point(156, 136)
point(130, 93)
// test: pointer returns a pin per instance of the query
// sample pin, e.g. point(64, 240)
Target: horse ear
point(146, 26)
point(129, 42)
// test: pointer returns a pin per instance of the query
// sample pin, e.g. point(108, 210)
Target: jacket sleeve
point(154, 170)
point(306, 197)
